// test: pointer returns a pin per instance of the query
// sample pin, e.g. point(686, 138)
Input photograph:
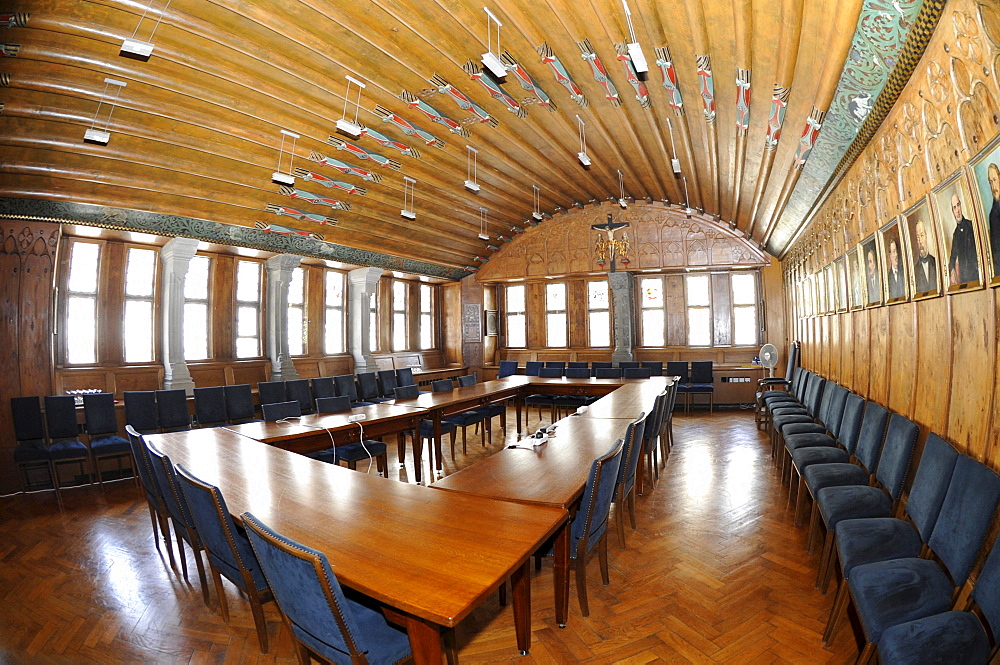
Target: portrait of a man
point(873, 282)
point(856, 278)
point(923, 251)
point(959, 235)
point(986, 177)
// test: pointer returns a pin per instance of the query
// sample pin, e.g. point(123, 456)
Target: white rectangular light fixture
point(97, 136)
point(484, 236)
point(347, 127)
point(472, 186)
point(283, 178)
point(409, 214)
point(676, 165)
point(409, 184)
point(137, 47)
point(494, 64)
point(637, 57)
point(537, 215)
point(584, 158)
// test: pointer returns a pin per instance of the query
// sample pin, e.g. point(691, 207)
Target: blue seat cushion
point(427, 428)
point(355, 452)
point(329, 456)
point(33, 451)
point(803, 428)
point(819, 476)
point(496, 409)
point(861, 541)
point(354, 404)
point(806, 457)
point(67, 449)
point(774, 393)
point(385, 642)
point(808, 440)
point(466, 418)
point(852, 502)
point(701, 387)
point(779, 421)
point(889, 593)
point(950, 637)
point(111, 444)
point(539, 399)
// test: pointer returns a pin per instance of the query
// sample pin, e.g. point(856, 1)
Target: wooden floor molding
point(715, 573)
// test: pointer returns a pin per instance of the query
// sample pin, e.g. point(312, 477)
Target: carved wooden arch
point(661, 236)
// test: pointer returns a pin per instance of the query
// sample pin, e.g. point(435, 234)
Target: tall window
point(334, 312)
point(426, 317)
point(598, 314)
point(398, 315)
point(297, 313)
point(81, 303)
point(653, 314)
point(248, 309)
point(140, 280)
point(744, 309)
point(196, 305)
point(515, 315)
point(555, 314)
point(373, 321)
point(699, 310)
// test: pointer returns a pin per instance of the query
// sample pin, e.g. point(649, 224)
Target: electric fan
point(769, 357)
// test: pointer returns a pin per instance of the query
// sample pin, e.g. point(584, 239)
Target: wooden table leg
point(561, 573)
point(418, 454)
point(425, 638)
point(520, 582)
point(518, 403)
point(437, 441)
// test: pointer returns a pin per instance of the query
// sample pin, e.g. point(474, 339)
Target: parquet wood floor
point(715, 573)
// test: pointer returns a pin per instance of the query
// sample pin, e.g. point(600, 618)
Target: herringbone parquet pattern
point(715, 573)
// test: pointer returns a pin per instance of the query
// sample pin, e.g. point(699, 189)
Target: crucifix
point(610, 248)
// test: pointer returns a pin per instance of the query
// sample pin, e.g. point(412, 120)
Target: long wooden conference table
point(430, 557)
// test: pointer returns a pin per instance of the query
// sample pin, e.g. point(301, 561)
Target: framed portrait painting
point(893, 263)
point(855, 278)
point(873, 277)
point(986, 181)
point(822, 295)
point(832, 293)
point(959, 234)
point(840, 275)
point(921, 250)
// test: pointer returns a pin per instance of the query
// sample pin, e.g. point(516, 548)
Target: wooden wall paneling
point(722, 309)
point(535, 304)
point(902, 353)
point(776, 323)
point(576, 312)
point(847, 362)
point(676, 305)
point(111, 304)
point(223, 310)
point(248, 371)
point(205, 375)
point(823, 342)
point(413, 315)
point(10, 322)
point(972, 361)
point(933, 378)
point(491, 301)
point(992, 449)
point(472, 349)
point(451, 316)
point(38, 242)
point(862, 352)
point(878, 388)
point(384, 316)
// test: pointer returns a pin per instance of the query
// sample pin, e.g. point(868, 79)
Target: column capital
point(279, 275)
point(178, 250)
point(364, 278)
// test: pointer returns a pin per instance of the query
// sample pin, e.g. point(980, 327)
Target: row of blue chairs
point(325, 620)
point(363, 388)
point(901, 568)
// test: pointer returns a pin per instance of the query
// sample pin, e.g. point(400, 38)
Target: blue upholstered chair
point(354, 452)
point(425, 430)
point(346, 385)
point(573, 402)
point(628, 364)
point(280, 411)
point(556, 364)
point(507, 368)
point(368, 389)
point(387, 383)
point(229, 552)
point(463, 419)
point(140, 411)
point(299, 391)
point(172, 410)
point(532, 367)
point(820, 432)
point(551, 372)
point(625, 489)
point(102, 433)
point(323, 618)
point(65, 446)
point(861, 541)
point(954, 636)
point(322, 386)
point(578, 372)
point(210, 406)
point(598, 364)
point(31, 453)
point(239, 404)
point(680, 369)
point(271, 392)
point(178, 511)
point(637, 372)
point(607, 373)
point(667, 422)
point(404, 377)
point(154, 498)
point(655, 366)
point(650, 440)
point(889, 593)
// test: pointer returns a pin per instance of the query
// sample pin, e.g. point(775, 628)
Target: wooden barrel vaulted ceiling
point(759, 102)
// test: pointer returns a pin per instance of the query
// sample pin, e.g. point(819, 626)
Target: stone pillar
point(361, 284)
point(279, 276)
point(175, 258)
point(621, 314)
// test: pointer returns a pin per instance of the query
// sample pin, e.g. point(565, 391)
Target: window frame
point(508, 313)
point(208, 308)
point(303, 307)
point(327, 308)
point(431, 293)
point(64, 299)
point(153, 299)
point(550, 312)
point(258, 305)
point(591, 312)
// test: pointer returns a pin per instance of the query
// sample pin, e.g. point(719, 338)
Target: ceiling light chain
point(409, 187)
point(483, 232)
point(582, 128)
point(137, 47)
point(471, 169)
point(536, 201)
point(351, 127)
point(279, 176)
point(102, 136)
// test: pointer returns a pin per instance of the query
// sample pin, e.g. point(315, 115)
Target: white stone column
point(361, 285)
point(175, 258)
point(621, 314)
point(279, 276)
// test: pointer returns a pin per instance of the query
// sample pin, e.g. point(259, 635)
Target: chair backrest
point(407, 392)
point(386, 382)
point(607, 373)
point(60, 417)
point(140, 410)
point(578, 372)
point(871, 436)
point(228, 549)
point(897, 452)
point(322, 386)
point(27, 414)
point(467, 380)
point(239, 403)
point(937, 464)
point(532, 366)
point(172, 409)
point(625, 364)
point(345, 385)
point(404, 377)
point(442, 385)
point(632, 451)
point(701, 371)
point(986, 593)
point(209, 405)
point(163, 471)
point(838, 400)
point(668, 408)
point(826, 406)
point(577, 364)
point(655, 418)
point(850, 424)
point(601, 363)
point(965, 517)
point(550, 372)
point(655, 366)
point(333, 404)
point(815, 396)
point(308, 593)
point(638, 372)
point(280, 411)
point(142, 464)
point(367, 385)
point(271, 392)
point(99, 413)
point(558, 364)
point(678, 368)
point(299, 391)
point(793, 359)
point(805, 378)
point(591, 520)
point(507, 368)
